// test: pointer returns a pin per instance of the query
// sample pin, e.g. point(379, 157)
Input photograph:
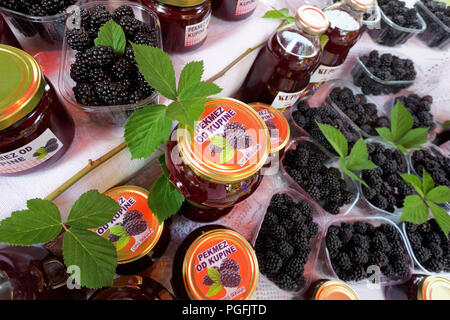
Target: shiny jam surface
point(49, 114)
point(233, 10)
point(6, 36)
point(184, 29)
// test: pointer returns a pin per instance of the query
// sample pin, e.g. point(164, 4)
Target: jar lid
point(134, 229)
point(334, 290)
point(311, 20)
point(230, 143)
point(277, 124)
point(220, 264)
point(361, 5)
point(23, 87)
point(182, 3)
point(434, 288)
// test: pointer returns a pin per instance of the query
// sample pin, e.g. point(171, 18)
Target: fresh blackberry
point(53, 6)
point(78, 39)
point(378, 258)
point(97, 75)
point(343, 261)
point(85, 94)
point(285, 282)
point(142, 85)
point(135, 227)
point(380, 243)
point(284, 249)
point(229, 264)
point(37, 10)
point(147, 39)
point(9, 4)
point(122, 69)
point(80, 72)
point(121, 12)
point(423, 254)
point(359, 255)
point(270, 263)
point(129, 54)
point(111, 93)
point(130, 26)
point(360, 227)
point(294, 267)
point(360, 241)
point(230, 279)
point(345, 232)
point(99, 16)
point(401, 269)
point(99, 56)
point(333, 243)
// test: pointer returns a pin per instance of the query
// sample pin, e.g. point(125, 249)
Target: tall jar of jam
point(233, 10)
point(33, 273)
point(184, 23)
point(330, 290)
point(6, 36)
point(133, 288)
point(214, 263)
point(139, 237)
point(283, 67)
point(35, 128)
point(420, 287)
point(218, 164)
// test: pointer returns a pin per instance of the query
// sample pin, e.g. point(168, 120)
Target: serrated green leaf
point(111, 35)
point(157, 69)
point(187, 112)
point(385, 133)
point(427, 182)
point(401, 120)
point(335, 138)
point(353, 176)
point(214, 274)
point(117, 230)
point(414, 181)
point(414, 210)
point(191, 74)
point(219, 141)
point(401, 148)
point(95, 256)
point(146, 130)
point(39, 224)
point(414, 138)
point(442, 217)
point(162, 163)
point(359, 157)
point(227, 154)
point(290, 20)
point(439, 194)
point(122, 242)
point(214, 289)
point(164, 198)
point(277, 14)
point(92, 210)
point(200, 89)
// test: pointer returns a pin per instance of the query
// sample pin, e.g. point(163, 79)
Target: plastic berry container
point(325, 268)
point(391, 34)
point(373, 20)
point(331, 161)
point(116, 115)
point(437, 34)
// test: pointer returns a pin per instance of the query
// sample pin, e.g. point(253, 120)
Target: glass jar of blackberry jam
point(420, 287)
point(184, 23)
point(330, 290)
point(35, 128)
point(218, 164)
point(233, 10)
point(139, 237)
point(214, 263)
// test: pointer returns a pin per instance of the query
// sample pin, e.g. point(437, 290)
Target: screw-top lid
point(182, 3)
point(311, 20)
point(21, 87)
point(433, 288)
point(334, 290)
point(360, 5)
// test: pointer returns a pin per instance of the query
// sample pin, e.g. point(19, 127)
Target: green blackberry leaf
point(414, 181)
point(282, 14)
point(117, 230)
point(350, 173)
point(442, 217)
point(414, 210)
point(386, 134)
point(439, 194)
point(214, 289)
point(199, 90)
point(95, 256)
point(92, 210)
point(164, 199)
point(191, 74)
point(162, 163)
point(111, 35)
point(427, 182)
point(414, 138)
point(214, 274)
point(401, 120)
point(40, 223)
point(359, 157)
point(335, 138)
point(187, 112)
point(146, 130)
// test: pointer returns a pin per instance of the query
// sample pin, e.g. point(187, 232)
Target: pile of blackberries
point(354, 248)
point(229, 274)
point(307, 118)
point(362, 113)
point(387, 189)
point(283, 243)
point(419, 107)
point(386, 67)
point(325, 185)
point(102, 77)
point(440, 9)
point(435, 34)
point(437, 165)
point(39, 8)
point(430, 245)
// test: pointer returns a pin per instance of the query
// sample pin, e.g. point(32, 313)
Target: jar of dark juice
point(233, 10)
point(139, 237)
point(345, 19)
point(212, 263)
point(33, 273)
point(330, 290)
point(283, 67)
point(420, 287)
point(133, 288)
point(218, 164)
point(184, 23)
point(35, 128)
point(6, 36)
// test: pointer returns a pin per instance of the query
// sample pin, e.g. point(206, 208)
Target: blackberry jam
point(35, 128)
point(233, 10)
point(420, 287)
point(212, 263)
point(218, 164)
point(6, 36)
point(184, 23)
point(283, 67)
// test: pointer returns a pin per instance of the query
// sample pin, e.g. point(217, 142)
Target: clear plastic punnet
point(437, 34)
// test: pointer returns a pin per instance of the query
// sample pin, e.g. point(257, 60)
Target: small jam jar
point(133, 288)
point(212, 263)
point(218, 164)
point(35, 128)
point(420, 287)
point(233, 10)
point(139, 237)
point(184, 23)
point(330, 290)
point(6, 36)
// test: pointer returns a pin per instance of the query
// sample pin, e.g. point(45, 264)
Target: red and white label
point(31, 155)
point(324, 73)
point(196, 33)
point(285, 100)
point(245, 6)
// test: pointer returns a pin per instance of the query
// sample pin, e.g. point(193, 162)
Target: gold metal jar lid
point(334, 290)
point(21, 86)
point(360, 5)
point(182, 3)
point(311, 20)
point(434, 288)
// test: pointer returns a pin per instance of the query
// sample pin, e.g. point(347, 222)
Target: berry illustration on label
point(227, 276)
point(132, 225)
point(234, 138)
point(50, 146)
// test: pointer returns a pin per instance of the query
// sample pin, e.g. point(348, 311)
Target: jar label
point(285, 100)
point(324, 73)
point(276, 123)
point(245, 6)
point(196, 33)
point(31, 155)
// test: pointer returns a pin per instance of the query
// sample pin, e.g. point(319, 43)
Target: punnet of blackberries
point(102, 77)
point(436, 164)
point(355, 249)
point(229, 274)
point(387, 189)
point(39, 8)
point(305, 164)
point(284, 241)
point(430, 245)
point(437, 17)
